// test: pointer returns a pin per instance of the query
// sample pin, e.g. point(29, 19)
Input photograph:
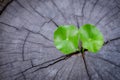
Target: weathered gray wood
point(27, 50)
point(4, 4)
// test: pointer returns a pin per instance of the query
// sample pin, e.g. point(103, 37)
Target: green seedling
point(68, 37)
point(91, 38)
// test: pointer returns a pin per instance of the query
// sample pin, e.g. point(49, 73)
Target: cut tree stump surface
point(4, 4)
point(27, 50)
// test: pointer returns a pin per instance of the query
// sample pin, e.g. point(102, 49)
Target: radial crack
point(85, 1)
point(46, 66)
point(54, 22)
point(24, 76)
point(6, 6)
point(111, 40)
point(83, 57)
point(9, 25)
point(31, 62)
point(58, 9)
point(45, 37)
point(49, 63)
point(76, 18)
point(44, 23)
point(21, 5)
point(36, 11)
point(83, 7)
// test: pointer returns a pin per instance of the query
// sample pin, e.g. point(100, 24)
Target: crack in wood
point(54, 22)
point(59, 10)
point(76, 18)
point(36, 11)
point(49, 63)
point(111, 40)
point(21, 5)
point(6, 6)
point(39, 34)
point(23, 47)
point(9, 25)
point(65, 57)
point(85, 1)
point(84, 60)
point(56, 61)
point(24, 77)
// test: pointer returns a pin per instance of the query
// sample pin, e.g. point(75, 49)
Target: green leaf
point(91, 38)
point(66, 39)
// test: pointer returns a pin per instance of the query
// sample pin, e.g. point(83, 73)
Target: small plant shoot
point(68, 37)
point(91, 38)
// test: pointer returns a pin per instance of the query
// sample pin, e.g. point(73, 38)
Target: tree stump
point(4, 4)
point(27, 50)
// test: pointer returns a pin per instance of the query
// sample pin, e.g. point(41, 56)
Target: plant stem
point(83, 57)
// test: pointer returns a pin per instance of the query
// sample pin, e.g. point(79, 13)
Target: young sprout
point(91, 38)
point(68, 37)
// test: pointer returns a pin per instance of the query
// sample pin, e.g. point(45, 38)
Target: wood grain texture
point(27, 51)
point(4, 4)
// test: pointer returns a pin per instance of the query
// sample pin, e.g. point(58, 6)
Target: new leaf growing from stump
point(91, 38)
point(67, 38)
